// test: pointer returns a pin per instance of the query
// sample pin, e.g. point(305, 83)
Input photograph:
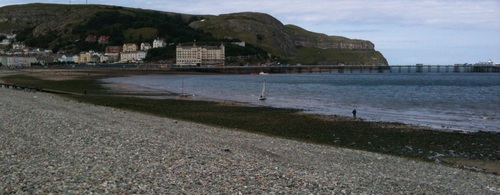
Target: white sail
point(263, 94)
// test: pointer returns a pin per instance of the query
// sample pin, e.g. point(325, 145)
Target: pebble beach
point(51, 144)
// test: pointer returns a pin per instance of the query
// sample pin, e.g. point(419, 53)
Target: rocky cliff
point(268, 32)
point(306, 38)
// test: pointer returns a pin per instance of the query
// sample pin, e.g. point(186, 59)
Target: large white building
point(194, 55)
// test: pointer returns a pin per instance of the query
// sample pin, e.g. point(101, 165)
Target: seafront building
point(193, 55)
point(17, 61)
point(86, 57)
point(135, 56)
point(186, 54)
point(112, 53)
point(69, 58)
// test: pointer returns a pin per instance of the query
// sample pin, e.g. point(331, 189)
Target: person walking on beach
point(354, 113)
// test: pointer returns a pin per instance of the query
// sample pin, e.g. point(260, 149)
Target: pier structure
point(354, 69)
point(343, 69)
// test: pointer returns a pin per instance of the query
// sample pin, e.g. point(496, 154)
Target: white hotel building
point(194, 55)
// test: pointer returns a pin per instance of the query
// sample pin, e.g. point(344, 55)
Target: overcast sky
point(405, 31)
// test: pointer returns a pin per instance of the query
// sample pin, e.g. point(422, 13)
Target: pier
point(343, 69)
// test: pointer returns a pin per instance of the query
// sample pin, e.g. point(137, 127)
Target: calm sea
point(447, 101)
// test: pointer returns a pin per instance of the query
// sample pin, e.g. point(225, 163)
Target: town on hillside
point(15, 54)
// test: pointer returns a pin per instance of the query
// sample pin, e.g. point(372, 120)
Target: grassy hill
point(64, 28)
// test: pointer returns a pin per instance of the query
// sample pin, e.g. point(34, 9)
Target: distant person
point(354, 113)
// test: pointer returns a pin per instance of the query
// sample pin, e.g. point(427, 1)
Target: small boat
point(263, 94)
point(263, 73)
point(183, 95)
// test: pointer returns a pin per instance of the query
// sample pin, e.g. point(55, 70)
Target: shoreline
point(128, 88)
point(490, 167)
point(450, 117)
point(66, 146)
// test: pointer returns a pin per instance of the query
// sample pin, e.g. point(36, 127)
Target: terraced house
point(194, 55)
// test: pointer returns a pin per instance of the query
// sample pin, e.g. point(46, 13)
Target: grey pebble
point(49, 144)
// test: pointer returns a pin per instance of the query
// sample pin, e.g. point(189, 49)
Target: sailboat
point(182, 90)
point(263, 94)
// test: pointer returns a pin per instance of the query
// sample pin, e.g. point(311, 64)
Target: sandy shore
point(52, 144)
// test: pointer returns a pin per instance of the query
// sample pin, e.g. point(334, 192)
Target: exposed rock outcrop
point(266, 31)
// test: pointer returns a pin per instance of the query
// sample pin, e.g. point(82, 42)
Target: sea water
point(446, 101)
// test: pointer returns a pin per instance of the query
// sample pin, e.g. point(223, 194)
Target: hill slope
point(63, 27)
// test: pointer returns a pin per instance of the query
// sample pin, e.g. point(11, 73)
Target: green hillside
point(65, 27)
